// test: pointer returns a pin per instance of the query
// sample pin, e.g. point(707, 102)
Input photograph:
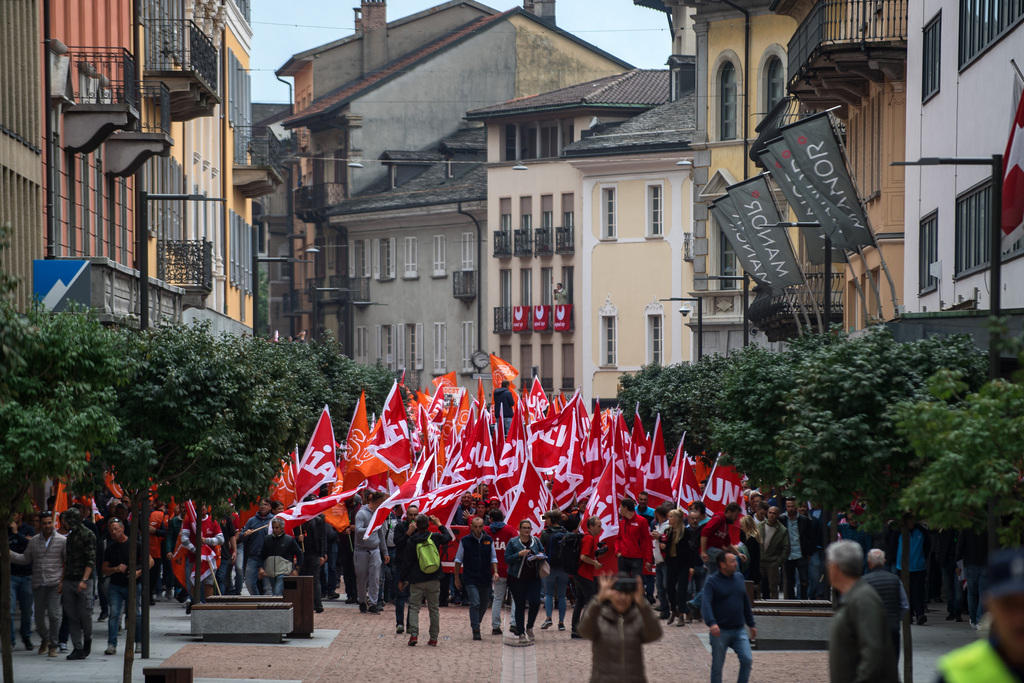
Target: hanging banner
point(563, 317)
point(541, 318)
point(759, 216)
point(726, 215)
point(520, 318)
point(816, 151)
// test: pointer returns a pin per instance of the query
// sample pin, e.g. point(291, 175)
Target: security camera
point(685, 310)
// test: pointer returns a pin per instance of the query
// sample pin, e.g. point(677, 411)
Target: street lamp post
point(700, 320)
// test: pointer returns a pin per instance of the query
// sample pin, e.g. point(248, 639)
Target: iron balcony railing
point(180, 45)
point(544, 241)
point(185, 263)
point(502, 243)
point(564, 240)
point(778, 314)
point(502, 319)
point(832, 23)
point(155, 116)
point(360, 290)
point(311, 199)
point(104, 75)
point(523, 239)
point(294, 303)
point(464, 284)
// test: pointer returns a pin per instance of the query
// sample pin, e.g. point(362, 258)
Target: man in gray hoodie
point(369, 554)
point(45, 552)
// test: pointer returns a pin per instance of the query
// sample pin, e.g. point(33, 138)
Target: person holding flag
point(370, 552)
point(211, 538)
point(253, 534)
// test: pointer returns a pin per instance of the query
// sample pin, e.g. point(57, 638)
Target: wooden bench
point(242, 621)
point(244, 599)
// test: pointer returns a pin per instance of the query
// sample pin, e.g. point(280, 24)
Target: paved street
point(348, 643)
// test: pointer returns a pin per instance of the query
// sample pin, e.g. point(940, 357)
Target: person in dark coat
point(618, 623)
point(312, 539)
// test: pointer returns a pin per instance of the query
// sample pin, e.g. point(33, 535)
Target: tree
point(57, 397)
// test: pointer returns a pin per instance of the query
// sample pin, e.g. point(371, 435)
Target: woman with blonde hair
point(678, 553)
point(750, 537)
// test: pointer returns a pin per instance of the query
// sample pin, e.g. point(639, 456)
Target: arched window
point(774, 83)
point(727, 102)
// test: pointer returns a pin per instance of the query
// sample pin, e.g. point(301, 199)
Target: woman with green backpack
point(421, 571)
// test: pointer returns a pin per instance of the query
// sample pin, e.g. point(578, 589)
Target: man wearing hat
point(1000, 658)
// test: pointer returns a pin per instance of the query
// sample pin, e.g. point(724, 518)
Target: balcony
point(184, 58)
point(360, 290)
point(502, 243)
point(464, 284)
point(502, 319)
point(126, 151)
point(312, 201)
point(106, 96)
point(523, 239)
point(187, 264)
point(333, 289)
point(544, 241)
point(776, 314)
point(842, 46)
point(293, 304)
point(564, 243)
point(255, 172)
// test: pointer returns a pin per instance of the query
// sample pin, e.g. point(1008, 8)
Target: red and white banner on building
point(520, 318)
point(563, 318)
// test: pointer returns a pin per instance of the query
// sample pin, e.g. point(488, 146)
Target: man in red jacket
point(634, 539)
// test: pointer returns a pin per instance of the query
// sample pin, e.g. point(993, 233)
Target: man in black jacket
point(423, 585)
point(801, 547)
point(405, 528)
point(312, 539)
point(890, 590)
point(504, 404)
point(476, 565)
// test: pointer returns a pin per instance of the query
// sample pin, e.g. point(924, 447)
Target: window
point(526, 286)
point(727, 102)
point(568, 367)
point(361, 350)
point(526, 359)
point(510, 142)
point(568, 214)
point(400, 348)
point(726, 261)
point(774, 83)
point(385, 352)
point(440, 348)
point(414, 345)
point(386, 262)
point(547, 211)
point(468, 251)
point(506, 213)
point(546, 286)
point(526, 212)
point(928, 251)
point(567, 282)
point(983, 22)
point(411, 258)
point(654, 228)
point(439, 254)
point(549, 140)
point(655, 339)
point(972, 228)
point(608, 340)
point(468, 344)
point(931, 58)
point(608, 213)
point(505, 287)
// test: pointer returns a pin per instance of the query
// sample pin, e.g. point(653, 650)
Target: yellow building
point(585, 189)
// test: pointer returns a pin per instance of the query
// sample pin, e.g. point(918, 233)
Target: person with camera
point(524, 555)
point(618, 624)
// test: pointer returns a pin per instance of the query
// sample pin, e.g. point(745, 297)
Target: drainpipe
point(289, 198)
point(746, 84)
point(51, 229)
point(479, 279)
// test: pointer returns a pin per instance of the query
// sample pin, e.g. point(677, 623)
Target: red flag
point(303, 512)
point(593, 457)
point(541, 318)
point(319, 464)
point(563, 318)
point(520, 319)
point(685, 486)
point(604, 502)
point(412, 487)
point(392, 444)
point(441, 502)
point(530, 499)
point(657, 474)
point(570, 474)
point(1013, 175)
point(514, 450)
point(638, 455)
point(725, 485)
point(537, 402)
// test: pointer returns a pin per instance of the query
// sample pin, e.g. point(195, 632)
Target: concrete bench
point(242, 622)
point(244, 599)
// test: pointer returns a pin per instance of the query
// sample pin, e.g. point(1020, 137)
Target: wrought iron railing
point(185, 263)
point(856, 22)
point(523, 239)
point(544, 241)
point(502, 319)
point(310, 199)
point(180, 45)
point(265, 150)
point(502, 243)
point(155, 116)
point(360, 289)
point(104, 75)
point(464, 284)
point(564, 243)
point(780, 315)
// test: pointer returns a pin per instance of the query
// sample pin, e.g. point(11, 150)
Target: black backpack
point(572, 546)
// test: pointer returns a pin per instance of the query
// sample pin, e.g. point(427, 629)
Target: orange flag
point(337, 516)
point(361, 464)
point(501, 370)
point(284, 485)
point(462, 417)
point(60, 504)
point(481, 398)
point(112, 486)
point(448, 380)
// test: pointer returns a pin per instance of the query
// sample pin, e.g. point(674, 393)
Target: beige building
point(584, 189)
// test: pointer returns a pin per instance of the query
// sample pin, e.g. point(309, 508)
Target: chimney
point(542, 9)
point(373, 24)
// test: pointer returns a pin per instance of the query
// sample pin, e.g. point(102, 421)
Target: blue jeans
point(815, 569)
point(977, 583)
point(277, 584)
point(661, 580)
point(554, 589)
point(117, 598)
point(736, 639)
point(21, 595)
point(401, 600)
point(479, 595)
point(951, 586)
point(253, 583)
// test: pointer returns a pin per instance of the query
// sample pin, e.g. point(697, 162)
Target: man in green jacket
point(859, 650)
point(1000, 657)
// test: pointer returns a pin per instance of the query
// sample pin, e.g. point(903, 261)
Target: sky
point(282, 28)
